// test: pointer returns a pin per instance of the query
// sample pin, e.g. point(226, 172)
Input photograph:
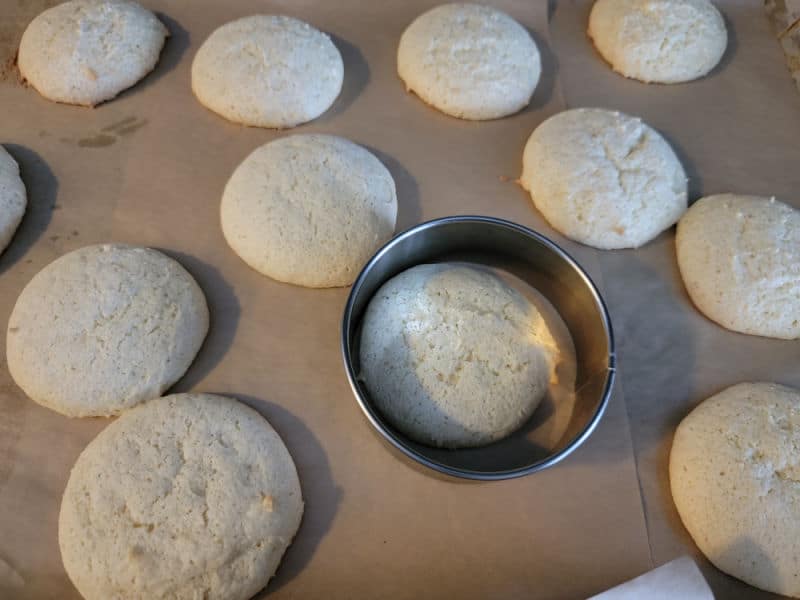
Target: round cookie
point(739, 257)
point(103, 328)
point(309, 209)
point(13, 198)
point(184, 497)
point(267, 71)
point(734, 472)
point(603, 178)
point(454, 357)
point(88, 51)
point(469, 61)
point(661, 41)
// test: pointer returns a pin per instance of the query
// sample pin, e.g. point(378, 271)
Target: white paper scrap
point(679, 579)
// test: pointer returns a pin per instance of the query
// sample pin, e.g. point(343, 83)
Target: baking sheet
point(735, 131)
point(149, 168)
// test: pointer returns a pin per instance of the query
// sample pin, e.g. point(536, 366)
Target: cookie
point(88, 51)
point(660, 41)
point(739, 257)
point(734, 476)
point(453, 356)
point(13, 198)
point(183, 497)
point(267, 71)
point(469, 61)
point(603, 178)
point(103, 328)
point(309, 209)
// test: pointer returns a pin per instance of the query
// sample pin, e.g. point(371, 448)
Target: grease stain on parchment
point(97, 141)
point(109, 134)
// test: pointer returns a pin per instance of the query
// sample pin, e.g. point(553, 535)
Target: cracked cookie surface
point(603, 178)
point(184, 497)
point(103, 328)
point(735, 477)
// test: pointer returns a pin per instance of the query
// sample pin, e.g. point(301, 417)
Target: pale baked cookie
point(603, 178)
point(661, 41)
point(309, 209)
point(13, 198)
point(453, 356)
point(735, 475)
point(469, 61)
point(103, 328)
point(88, 51)
point(185, 497)
point(267, 71)
point(739, 257)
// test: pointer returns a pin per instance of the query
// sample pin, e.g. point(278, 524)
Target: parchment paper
point(149, 168)
point(735, 131)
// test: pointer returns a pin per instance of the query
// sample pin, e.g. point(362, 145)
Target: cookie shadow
point(41, 187)
point(409, 211)
point(551, 9)
point(730, 50)
point(695, 188)
point(224, 310)
point(356, 76)
point(172, 53)
point(726, 586)
point(320, 493)
point(515, 445)
point(545, 89)
point(515, 448)
point(657, 354)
